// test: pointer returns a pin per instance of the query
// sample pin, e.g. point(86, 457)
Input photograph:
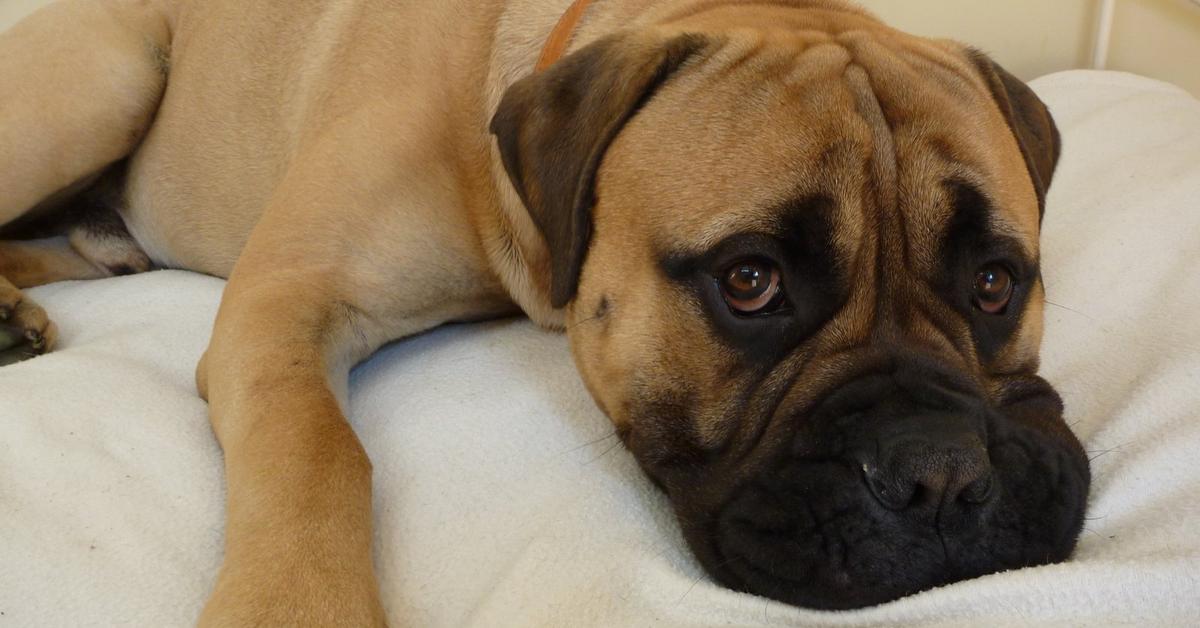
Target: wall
point(1159, 38)
point(1056, 39)
point(13, 10)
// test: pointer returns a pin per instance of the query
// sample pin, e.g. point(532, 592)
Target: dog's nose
point(929, 471)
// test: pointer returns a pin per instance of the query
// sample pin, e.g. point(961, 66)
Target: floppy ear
point(1029, 120)
point(554, 127)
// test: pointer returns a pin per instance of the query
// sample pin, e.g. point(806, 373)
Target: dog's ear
point(1029, 120)
point(554, 127)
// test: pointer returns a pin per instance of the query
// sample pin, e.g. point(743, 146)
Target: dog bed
point(502, 496)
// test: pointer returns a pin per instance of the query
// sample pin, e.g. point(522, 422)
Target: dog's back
point(289, 78)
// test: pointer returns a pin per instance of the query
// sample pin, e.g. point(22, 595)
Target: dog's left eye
point(993, 288)
point(751, 286)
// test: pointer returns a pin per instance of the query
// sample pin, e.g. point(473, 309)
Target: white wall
point(1028, 37)
point(13, 10)
point(1159, 38)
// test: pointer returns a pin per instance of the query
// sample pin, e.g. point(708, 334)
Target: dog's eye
point(751, 286)
point(993, 288)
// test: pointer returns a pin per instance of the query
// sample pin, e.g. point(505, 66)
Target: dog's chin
point(811, 534)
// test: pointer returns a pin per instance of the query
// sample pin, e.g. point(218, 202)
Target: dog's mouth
point(815, 535)
point(919, 503)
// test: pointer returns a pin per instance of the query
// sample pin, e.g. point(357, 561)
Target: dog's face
point(802, 271)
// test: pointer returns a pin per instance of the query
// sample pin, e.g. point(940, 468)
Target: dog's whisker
point(1069, 309)
point(689, 590)
point(592, 442)
point(604, 453)
point(700, 578)
point(1103, 452)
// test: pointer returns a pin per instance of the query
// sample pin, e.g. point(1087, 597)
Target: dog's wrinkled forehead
point(890, 129)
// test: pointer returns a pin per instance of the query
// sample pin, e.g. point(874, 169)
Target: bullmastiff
point(795, 252)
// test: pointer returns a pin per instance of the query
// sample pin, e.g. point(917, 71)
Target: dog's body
point(334, 161)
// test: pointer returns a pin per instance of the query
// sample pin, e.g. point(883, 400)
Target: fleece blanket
point(502, 496)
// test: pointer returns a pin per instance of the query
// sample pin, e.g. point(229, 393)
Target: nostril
point(890, 491)
point(980, 490)
point(917, 495)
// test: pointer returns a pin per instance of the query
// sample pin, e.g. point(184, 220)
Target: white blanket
point(502, 496)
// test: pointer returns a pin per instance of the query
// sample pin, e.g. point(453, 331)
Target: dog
point(795, 253)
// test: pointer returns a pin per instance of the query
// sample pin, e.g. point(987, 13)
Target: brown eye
point(750, 286)
point(993, 288)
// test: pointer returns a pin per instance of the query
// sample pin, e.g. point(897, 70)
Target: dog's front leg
point(298, 530)
point(339, 263)
point(298, 527)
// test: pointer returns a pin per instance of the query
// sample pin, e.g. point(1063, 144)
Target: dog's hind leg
point(31, 263)
point(97, 243)
point(80, 81)
point(84, 239)
point(25, 329)
point(98, 247)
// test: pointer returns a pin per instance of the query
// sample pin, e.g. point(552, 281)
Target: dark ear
point(1029, 120)
point(553, 129)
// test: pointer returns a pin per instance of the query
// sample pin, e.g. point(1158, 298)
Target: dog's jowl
point(795, 252)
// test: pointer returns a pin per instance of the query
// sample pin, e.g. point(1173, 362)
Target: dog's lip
point(738, 570)
point(802, 593)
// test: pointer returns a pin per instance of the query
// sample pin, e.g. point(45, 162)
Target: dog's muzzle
point(900, 481)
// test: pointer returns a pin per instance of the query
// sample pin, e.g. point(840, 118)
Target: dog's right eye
point(994, 286)
point(752, 286)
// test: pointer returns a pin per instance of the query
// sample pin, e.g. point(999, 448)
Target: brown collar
point(560, 37)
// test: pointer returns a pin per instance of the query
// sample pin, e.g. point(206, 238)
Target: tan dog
point(795, 250)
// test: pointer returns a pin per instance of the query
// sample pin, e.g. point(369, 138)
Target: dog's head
point(799, 256)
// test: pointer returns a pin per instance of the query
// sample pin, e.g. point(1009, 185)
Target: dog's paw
point(25, 330)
